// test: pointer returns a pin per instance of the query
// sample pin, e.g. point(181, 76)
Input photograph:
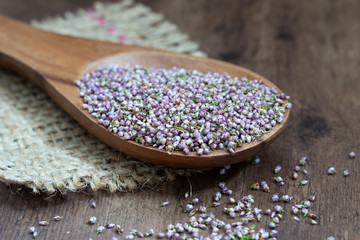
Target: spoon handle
point(40, 55)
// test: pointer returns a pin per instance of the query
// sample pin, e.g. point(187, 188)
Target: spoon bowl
point(55, 61)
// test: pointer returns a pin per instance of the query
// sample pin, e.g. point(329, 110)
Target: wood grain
point(310, 49)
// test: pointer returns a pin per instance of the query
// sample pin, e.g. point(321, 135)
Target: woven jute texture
point(43, 148)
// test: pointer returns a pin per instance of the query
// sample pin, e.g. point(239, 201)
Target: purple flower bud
point(110, 225)
point(275, 198)
point(331, 171)
point(277, 169)
point(92, 220)
point(274, 233)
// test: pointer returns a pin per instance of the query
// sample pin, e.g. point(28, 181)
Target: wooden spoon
point(53, 61)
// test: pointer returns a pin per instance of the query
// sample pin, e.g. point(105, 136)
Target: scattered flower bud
point(92, 220)
point(294, 175)
point(43, 223)
point(93, 204)
point(313, 222)
point(275, 198)
point(57, 218)
point(278, 209)
point(286, 198)
point(278, 179)
point(32, 229)
point(163, 204)
point(277, 169)
point(331, 171)
point(296, 218)
point(346, 173)
point(255, 186)
point(352, 155)
point(119, 229)
point(265, 186)
point(312, 198)
point(110, 225)
point(256, 161)
point(305, 211)
point(272, 225)
point(294, 210)
point(100, 229)
point(303, 182)
point(302, 161)
point(222, 171)
point(267, 211)
point(307, 204)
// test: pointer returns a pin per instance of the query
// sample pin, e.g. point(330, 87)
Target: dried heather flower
point(294, 210)
point(278, 179)
point(303, 182)
point(313, 222)
point(312, 198)
point(306, 204)
point(275, 198)
point(272, 225)
point(110, 225)
point(297, 168)
point(119, 229)
point(100, 229)
point(43, 223)
point(92, 220)
point(278, 209)
point(331, 171)
point(277, 169)
point(286, 198)
point(256, 161)
point(305, 211)
point(294, 175)
point(163, 204)
point(57, 218)
point(265, 186)
point(222, 171)
point(302, 161)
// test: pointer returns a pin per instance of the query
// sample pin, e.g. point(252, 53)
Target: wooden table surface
point(310, 49)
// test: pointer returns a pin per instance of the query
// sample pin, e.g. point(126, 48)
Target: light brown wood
point(54, 61)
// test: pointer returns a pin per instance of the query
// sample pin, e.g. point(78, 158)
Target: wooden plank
point(311, 51)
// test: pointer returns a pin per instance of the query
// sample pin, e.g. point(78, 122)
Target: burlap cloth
point(43, 148)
